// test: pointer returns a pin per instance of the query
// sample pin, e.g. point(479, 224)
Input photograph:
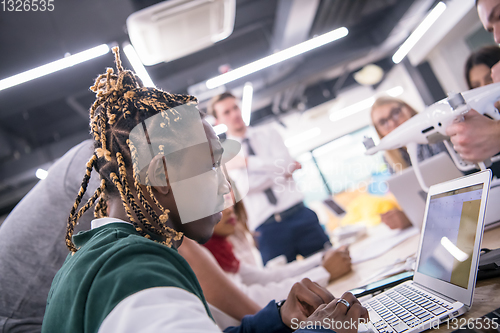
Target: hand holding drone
point(430, 126)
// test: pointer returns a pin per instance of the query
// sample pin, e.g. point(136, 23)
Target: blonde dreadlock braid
point(72, 220)
point(123, 196)
point(162, 219)
point(123, 173)
point(101, 207)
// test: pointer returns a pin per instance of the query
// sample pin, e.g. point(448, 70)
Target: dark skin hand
point(338, 312)
point(308, 301)
point(337, 262)
point(396, 219)
point(304, 298)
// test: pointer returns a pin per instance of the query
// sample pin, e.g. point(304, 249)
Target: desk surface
point(486, 296)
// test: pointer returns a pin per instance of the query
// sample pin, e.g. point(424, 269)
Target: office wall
point(445, 45)
point(448, 58)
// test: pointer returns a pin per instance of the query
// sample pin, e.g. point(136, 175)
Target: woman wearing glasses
point(387, 114)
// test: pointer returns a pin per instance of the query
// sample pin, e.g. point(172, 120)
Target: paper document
point(381, 240)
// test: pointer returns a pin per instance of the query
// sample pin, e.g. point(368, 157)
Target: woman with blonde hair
point(387, 114)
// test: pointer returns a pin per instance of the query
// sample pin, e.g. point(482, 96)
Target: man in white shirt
point(276, 212)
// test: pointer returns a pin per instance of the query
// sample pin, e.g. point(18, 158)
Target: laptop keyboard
point(404, 307)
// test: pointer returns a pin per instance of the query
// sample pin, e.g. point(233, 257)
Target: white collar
point(248, 134)
point(96, 223)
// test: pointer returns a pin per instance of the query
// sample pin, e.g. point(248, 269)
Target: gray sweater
point(32, 247)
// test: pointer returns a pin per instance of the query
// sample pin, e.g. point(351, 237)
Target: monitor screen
point(449, 235)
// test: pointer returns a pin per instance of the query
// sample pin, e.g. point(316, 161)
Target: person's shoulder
point(73, 165)
point(139, 244)
point(264, 131)
point(80, 154)
point(143, 262)
point(118, 263)
point(119, 240)
point(134, 246)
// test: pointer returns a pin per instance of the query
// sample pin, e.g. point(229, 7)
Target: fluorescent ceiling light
point(419, 32)
point(363, 105)
point(41, 174)
point(219, 129)
point(277, 57)
point(454, 250)
point(246, 103)
point(139, 68)
point(352, 109)
point(304, 136)
point(54, 66)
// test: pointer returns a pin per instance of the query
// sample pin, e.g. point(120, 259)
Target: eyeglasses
point(395, 115)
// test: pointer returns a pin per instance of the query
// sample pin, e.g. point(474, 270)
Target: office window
point(344, 164)
point(309, 181)
point(339, 165)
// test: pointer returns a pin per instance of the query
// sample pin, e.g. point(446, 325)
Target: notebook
point(446, 267)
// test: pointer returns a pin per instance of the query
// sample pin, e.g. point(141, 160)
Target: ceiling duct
point(173, 29)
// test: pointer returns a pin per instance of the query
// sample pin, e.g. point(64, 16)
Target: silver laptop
point(448, 256)
point(407, 190)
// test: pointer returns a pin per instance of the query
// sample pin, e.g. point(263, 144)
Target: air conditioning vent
point(172, 29)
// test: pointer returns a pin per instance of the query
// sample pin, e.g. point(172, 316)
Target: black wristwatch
point(279, 305)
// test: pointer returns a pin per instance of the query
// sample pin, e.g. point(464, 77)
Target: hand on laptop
point(338, 314)
point(308, 302)
point(304, 298)
point(337, 262)
point(396, 219)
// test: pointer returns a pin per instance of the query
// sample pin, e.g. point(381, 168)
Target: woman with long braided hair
point(125, 274)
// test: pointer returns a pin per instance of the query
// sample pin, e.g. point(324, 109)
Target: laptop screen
point(449, 235)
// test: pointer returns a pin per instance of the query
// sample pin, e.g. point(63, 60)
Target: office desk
point(486, 296)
